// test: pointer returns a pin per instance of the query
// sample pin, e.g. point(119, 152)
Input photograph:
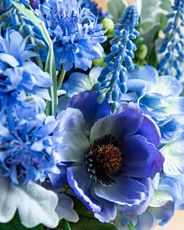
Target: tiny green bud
point(108, 25)
point(99, 62)
point(141, 52)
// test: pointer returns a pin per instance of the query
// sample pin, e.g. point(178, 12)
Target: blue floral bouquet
point(91, 114)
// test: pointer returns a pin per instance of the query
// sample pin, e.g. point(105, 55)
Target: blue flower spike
point(173, 44)
point(112, 82)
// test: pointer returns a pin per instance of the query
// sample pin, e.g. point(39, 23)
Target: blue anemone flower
point(110, 158)
point(74, 31)
point(28, 147)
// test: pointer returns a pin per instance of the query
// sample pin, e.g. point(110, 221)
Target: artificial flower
point(111, 158)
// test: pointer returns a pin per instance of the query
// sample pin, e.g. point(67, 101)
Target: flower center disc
point(104, 159)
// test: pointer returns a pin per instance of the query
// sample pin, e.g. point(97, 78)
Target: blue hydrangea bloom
point(74, 31)
point(173, 44)
point(160, 98)
point(28, 147)
point(113, 78)
point(20, 78)
point(101, 154)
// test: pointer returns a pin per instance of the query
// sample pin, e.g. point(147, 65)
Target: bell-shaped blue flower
point(110, 158)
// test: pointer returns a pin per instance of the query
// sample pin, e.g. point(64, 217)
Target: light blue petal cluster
point(75, 33)
point(28, 147)
point(21, 80)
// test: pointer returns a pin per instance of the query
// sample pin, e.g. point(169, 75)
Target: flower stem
point(61, 77)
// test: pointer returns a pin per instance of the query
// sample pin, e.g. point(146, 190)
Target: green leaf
point(86, 222)
point(50, 62)
point(116, 8)
point(131, 227)
point(16, 225)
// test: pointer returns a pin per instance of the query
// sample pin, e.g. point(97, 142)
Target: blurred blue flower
point(20, 78)
point(100, 152)
point(74, 31)
point(94, 8)
point(28, 147)
point(173, 45)
point(113, 78)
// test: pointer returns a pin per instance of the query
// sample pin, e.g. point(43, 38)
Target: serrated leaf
point(116, 8)
point(50, 66)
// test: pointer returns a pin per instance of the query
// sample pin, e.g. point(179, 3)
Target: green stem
point(61, 77)
point(131, 227)
point(37, 58)
point(67, 226)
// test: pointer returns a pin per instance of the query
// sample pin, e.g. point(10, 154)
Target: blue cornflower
point(20, 78)
point(94, 8)
point(101, 154)
point(113, 78)
point(74, 31)
point(173, 44)
point(28, 147)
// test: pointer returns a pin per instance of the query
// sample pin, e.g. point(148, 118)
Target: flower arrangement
point(91, 114)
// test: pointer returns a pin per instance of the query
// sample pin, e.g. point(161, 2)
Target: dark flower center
point(104, 159)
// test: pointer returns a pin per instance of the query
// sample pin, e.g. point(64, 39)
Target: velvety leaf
point(116, 8)
point(35, 204)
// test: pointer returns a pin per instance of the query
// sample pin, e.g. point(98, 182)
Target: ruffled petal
point(141, 159)
point(78, 179)
point(125, 191)
point(75, 143)
point(120, 124)
point(150, 131)
point(91, 109)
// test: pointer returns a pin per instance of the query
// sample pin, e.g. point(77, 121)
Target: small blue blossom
point(113, 79)
point(20, 78)
point(74, 31)
point(28, 147)
point(101, 154)
point(173, 44)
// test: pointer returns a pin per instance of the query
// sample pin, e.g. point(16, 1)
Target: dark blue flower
point(28, 147)
point(113, 78)
point(173, 44)
point(111, 157)
point(74, 31)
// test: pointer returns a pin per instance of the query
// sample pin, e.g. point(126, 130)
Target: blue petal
point(91, 109)
point(108, 212)
point(120, 124)
point(141, 158)
point(75, 143)
point(78, 179)
point(136, 210)
point(150, 131)
point(134, 194)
